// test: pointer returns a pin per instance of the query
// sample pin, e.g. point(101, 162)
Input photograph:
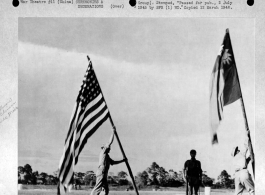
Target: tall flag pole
point(245, 117)
point(225, 89)
point(89, 113)
point(121, 148)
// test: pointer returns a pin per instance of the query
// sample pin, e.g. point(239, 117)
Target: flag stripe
point(66, 157)
point(221, 103)
point(88, 126)
point(217, 92)
point(103, 113)
point(69, 140)
point(90, 113)
point(89, 120)
point(91, 104)
point(219, 89)
point(67, 161)
point(71, 123)
point(66, 172)
point(91, 132)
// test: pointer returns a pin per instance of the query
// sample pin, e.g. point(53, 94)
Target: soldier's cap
point(234, 151)
point(105, 146)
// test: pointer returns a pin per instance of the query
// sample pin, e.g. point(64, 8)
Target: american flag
point(89, 113)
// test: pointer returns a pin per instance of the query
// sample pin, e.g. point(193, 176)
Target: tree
point(27, 174)
point(158, 175)
point(123, 181)
point(217, 185)
point(89, 178)
point(79, 178)
point(224, 179)
point(142, 178)
point(121, 178)
point(20, 170)
point(162, 176)
point(180, 177)
point(111, 180)
point(172, 174)
point(122, 174)
point(51, 180)
point(43, 177)
point(20, 174)
point(55, 177)
point(153, 171)
point(34, 177)
point(174, 179)
point(27, 169)
point(90, 173)
point(207, 181)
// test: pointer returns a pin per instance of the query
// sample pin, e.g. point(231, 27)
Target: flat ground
point(87, 192)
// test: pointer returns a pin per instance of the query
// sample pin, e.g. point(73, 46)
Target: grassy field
point(83, 192)
point(51, 190)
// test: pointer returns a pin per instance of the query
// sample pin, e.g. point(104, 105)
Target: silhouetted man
point(243, 179)
point(104, 163)
point(192, 174)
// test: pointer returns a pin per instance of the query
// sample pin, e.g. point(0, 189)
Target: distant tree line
point(158, 176)
point(27, 176)
point(152, 176)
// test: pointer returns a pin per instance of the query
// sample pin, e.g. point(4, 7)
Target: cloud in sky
point(139, 40)
point(159, 105)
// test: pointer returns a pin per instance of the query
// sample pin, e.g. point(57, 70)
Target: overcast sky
point(155, 76)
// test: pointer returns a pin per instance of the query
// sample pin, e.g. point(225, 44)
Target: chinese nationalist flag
point(224, 86)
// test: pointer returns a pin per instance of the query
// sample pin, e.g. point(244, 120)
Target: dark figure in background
point(192, 174)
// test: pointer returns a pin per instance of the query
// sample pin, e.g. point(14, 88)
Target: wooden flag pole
point(249, 138)
point(121, 148)
point(127, 163)
point(244, 114)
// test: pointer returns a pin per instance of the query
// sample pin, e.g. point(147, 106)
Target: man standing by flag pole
point(243, 179)
point(104, 163)
point(90, 112)
point(225, 89)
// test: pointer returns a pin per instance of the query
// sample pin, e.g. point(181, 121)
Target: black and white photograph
point(169, 103)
